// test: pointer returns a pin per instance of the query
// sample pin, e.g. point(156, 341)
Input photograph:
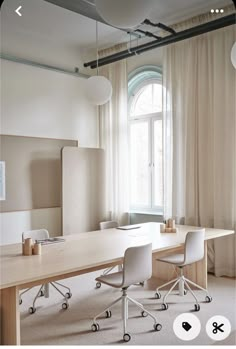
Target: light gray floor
point(51, 325)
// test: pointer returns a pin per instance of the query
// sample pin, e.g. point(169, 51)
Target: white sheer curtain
point(199, 138)
point(114, 139)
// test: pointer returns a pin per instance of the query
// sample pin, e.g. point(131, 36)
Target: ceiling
point(46, 28)
point(45, 19)
point(168, 11)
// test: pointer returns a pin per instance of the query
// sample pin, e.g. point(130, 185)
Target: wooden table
point(79, 254)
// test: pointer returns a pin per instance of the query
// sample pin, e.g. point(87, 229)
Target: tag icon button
point(186, 326)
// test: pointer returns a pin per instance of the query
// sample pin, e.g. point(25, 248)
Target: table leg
point(46, 290)
point(181, 283)
point(10, 316)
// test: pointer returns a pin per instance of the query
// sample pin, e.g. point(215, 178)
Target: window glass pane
point(148, 100)
point(157, 98)
point(139, 160)
point(158, 177)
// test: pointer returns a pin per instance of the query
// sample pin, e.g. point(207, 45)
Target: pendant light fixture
point(125, 14)
point(98, 88)
point(233, 55)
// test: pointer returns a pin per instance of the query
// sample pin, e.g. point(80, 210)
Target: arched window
point(145, 115)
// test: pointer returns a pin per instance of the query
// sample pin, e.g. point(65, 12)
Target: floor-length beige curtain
point(199, 138)
point(114, 139)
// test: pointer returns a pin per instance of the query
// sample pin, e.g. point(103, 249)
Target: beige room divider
point(33, 172)
point(83, 189)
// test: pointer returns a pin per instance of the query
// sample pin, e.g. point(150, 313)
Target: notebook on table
point(129, 227)
point(50, 241)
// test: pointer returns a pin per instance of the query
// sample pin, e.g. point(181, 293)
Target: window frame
point(138, 79)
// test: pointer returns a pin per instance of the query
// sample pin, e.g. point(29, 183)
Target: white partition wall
point(83, 189)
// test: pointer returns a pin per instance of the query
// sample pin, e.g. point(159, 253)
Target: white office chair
point(110, 225)
point(102, 226)
point(193, 252)
point(42, 234)
point(137, 266)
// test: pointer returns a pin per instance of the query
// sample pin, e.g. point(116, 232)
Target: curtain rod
point(43, 66)
point(179, 36)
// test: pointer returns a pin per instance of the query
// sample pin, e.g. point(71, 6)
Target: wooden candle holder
point(169, 227)
point(37, 249)
point(28, 248)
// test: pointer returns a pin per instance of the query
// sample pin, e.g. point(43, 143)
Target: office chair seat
point(177, 259)
point(114, 279)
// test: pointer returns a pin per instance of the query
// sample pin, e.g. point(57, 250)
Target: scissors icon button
point(217, 327)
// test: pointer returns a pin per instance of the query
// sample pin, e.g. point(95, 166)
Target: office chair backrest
point(194, 246)
point(137, 264)
point(38, 234)
point(108, 225)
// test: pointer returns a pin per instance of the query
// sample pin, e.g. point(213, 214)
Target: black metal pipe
point(160, 25)
point(185, 34)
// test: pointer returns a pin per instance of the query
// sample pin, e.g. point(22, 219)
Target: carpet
point(51, 325)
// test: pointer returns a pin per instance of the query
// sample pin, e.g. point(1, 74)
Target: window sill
point(150, 213)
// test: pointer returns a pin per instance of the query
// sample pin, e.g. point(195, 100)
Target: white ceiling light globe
point(98, 90)
point(233, 55)
point(124, 13)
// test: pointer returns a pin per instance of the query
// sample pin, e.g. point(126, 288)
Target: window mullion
point(151, 161)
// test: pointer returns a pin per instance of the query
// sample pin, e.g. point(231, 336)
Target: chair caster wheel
point(185, 292)
point(144, 313)
point(157, 327)
point(95, 327)
point(158, 295)
point(127, 337)
point(208, 299)
point(196, 307)
point(68, 295)
point(164, 306)
point(65, 306)
point(20, 301)
point(32, 310)
point(141, 283)
point(41, 294)
point(108, 314)
point(98, 284)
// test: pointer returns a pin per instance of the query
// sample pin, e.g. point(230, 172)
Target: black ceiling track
point(160, 25)
point(149, 34)
point(179, 36)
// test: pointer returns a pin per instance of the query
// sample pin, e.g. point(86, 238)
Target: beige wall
point(40, 103)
